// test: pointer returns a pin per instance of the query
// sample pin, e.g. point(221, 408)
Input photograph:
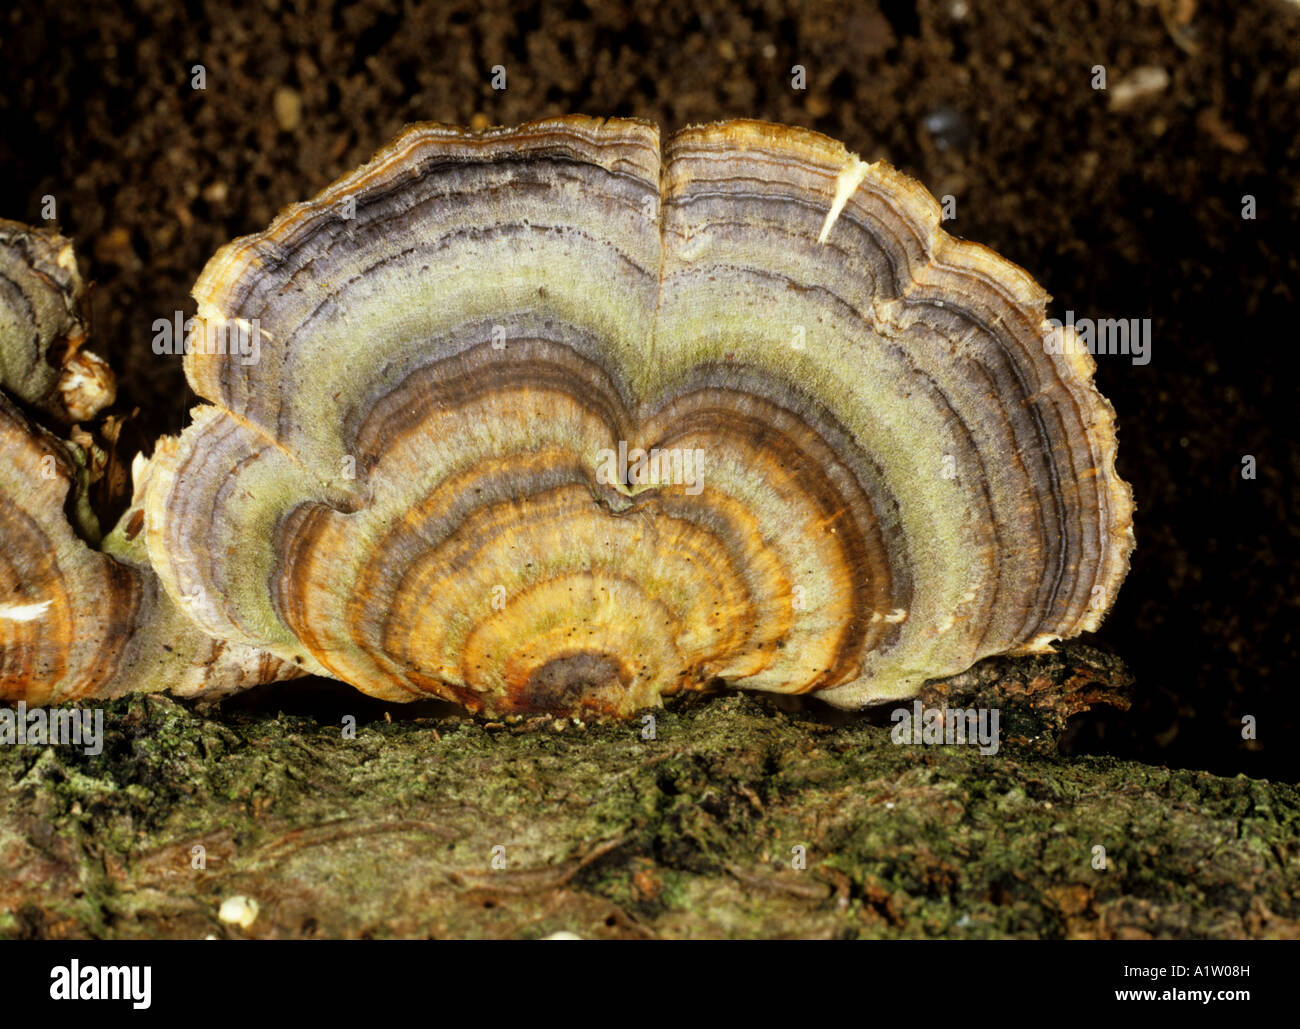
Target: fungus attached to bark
point(549, 418)
point(77, 620)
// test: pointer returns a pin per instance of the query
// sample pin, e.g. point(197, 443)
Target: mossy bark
point(602, 832)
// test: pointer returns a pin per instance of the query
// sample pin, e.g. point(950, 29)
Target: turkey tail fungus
point(554, 419)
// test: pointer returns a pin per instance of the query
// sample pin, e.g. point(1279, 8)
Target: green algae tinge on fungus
point(844, 459)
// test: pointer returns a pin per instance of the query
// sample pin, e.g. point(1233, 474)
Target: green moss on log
point(690, 834)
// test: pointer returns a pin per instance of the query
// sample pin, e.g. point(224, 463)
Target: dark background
point(1120, 209)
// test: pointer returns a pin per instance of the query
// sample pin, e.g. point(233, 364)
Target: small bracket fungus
point(41, 325)
point(523, 428)
point(76, 621)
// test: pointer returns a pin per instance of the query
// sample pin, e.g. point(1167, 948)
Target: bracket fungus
point(78, 616)
point(555, 418)
point(41, 324)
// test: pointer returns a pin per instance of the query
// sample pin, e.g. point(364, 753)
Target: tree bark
point(741, 817)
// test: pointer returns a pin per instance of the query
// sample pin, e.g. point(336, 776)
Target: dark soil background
point(1121, 205)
